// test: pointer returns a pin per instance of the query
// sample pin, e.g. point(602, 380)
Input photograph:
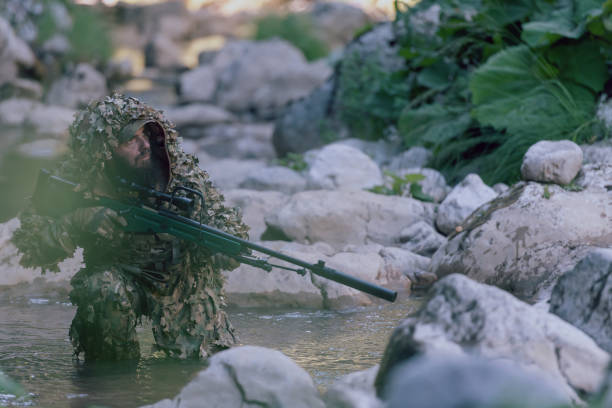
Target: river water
point(35, 351)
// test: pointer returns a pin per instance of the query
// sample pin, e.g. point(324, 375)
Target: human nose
point(143, 141)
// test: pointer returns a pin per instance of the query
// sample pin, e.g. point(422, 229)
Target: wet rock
point(198, 114)
point(261, 77)
point(43, 149)
point(230, 173)
point(415, 157)
point(354, 390)
point(50, 120)
point(198, 85)
point(462, 381)
point(463, 316)
point(527, 237)
point(276, 178)
point(341, 167)
point(341, 218)
point(583, 297)
point(13, 273)
point(78, 87)
point(552, 162)
point(239, 141)
point(249, 376)
point(248, 286)
point(421, 238)
point(303, 124)
point(336, 23)
point(255, 206)
point(464, 198)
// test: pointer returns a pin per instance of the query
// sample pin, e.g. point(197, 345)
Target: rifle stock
point(55, 196)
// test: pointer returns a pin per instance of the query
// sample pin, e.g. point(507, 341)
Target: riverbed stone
point(249, 376)
point(230, 173)
point(552, 162)
point(463, 316)
point(275, 178)
point(381, 151)
point(239, 140)
point(78, 87)
point(415, 157)
point(400, 261)
point(255, 206)
point(336, 22)
point(354, 390)
point(597, 153)
point(474, 382)
point(14, 111)
point(13, 52)
point(421, 238)
point(433, 185)
point(198, 114)
point(22, 88)
point(341, 167)
point(198, 85)
point(595, 177)
point(463, 199)
point(50, 119)
point(527, 237)
point(348, 217)
point(261, 77)
point(583, 296)
point(13, 273)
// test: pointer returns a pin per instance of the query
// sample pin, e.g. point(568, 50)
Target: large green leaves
point(434, 124)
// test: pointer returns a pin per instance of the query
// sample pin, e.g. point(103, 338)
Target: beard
point(143, 175)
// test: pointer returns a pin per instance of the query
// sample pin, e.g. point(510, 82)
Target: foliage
point(485, 79)
point(294, 161)
point(401, 185)
point(297, 29)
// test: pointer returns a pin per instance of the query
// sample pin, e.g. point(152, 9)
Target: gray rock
point(523, 241)
point(421, 238)
point(340, 218)
point(552, 162)
point(583, 297)
point(604, 395)
point(261, 77)
point(466, 197)
point(604, 112)
point(230, 173)
point(380, 151)
point(198, 114)
point(78, 87)
point(415, 157)
point(277, 178)
point(354, 390)
point(49, 149)
point(595, 177)
point(336, 23)
point(433, 185)
point(163, 53)
point(61, 16)
point(249, 376)
point(198, 85)
point(255, 206)
point(50, 120)
point(239, 141)
point(58, 44)
point(400, 262)
point(13, 52)
point(598, 153)
point(341, 167)
point(22, 88)
point(14, 111)
point(303, 124)
point(500, 188)
point(471, 382)
point(463, 316)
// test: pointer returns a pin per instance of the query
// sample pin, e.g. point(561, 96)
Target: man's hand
point(100, 221)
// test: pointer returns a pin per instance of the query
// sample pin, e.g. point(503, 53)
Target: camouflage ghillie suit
point(175, 283)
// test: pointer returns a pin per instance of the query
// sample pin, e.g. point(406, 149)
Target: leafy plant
point(293, 161)
point(297, 29)
point(400, 185)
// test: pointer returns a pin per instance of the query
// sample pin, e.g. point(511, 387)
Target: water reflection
point(36, 352)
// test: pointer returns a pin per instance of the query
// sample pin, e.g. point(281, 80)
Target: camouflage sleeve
point(43, 241)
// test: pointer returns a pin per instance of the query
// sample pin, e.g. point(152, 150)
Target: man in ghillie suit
point(177, 284)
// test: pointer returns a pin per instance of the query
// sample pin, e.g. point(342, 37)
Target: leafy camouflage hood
point(104, 124)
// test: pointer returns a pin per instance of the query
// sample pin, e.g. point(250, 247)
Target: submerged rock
point(465, 317)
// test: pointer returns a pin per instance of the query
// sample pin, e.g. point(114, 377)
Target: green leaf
point(416, 191)
point(498, 13)
point(433, 124)
point(582, 63)
point(437, 76)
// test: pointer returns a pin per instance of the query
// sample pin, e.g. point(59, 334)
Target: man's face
point(136, 152)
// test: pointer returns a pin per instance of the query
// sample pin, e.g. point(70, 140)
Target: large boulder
point(336, 23)
point(13, 53)
point(50, 119)
point(526, 238)
point(552, 162)
point(354, 390)
point(340, 218)
point(198, 85)
point(230, 173)
point(463, 199)
point(78, 87)
point(261, 77)
point(248, 376)
point(463, 316)
point(248, 286)
point(421, 238)
point(341, 167)
point(238, 141)
point(198, 114)
point(255, 206)
point(583, 297)
point(462, 381)
point(276, 178)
